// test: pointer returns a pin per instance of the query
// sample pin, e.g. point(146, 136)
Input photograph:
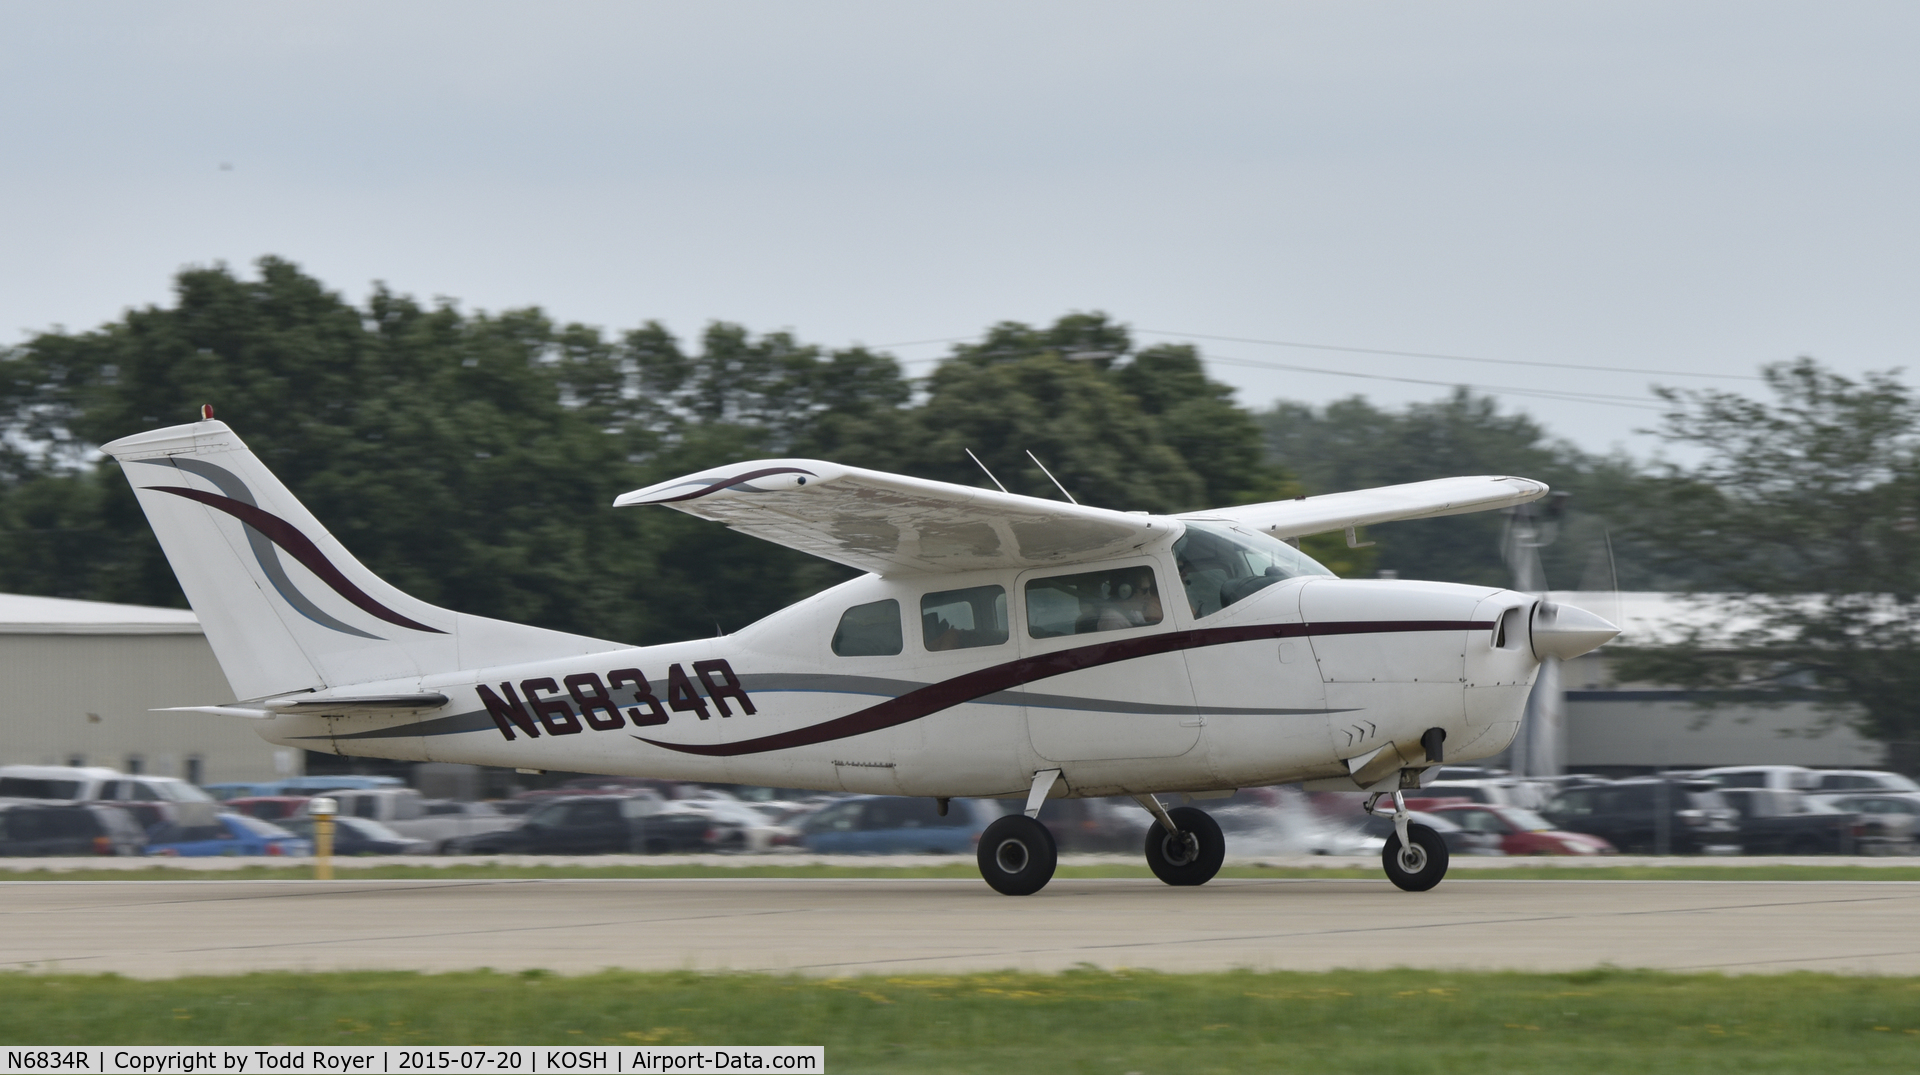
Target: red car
point(1521, 831)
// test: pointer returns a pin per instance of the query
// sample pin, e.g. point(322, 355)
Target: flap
point(1365, 507)
point(890, 523)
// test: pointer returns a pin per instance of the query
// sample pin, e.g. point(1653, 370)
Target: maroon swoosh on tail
point(297, 545)
point(934, 697)
point(717, 484)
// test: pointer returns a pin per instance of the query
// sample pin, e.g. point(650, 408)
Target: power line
point(1451, 358)
point(1634, 402)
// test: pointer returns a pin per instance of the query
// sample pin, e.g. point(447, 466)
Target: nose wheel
point(1415, 856)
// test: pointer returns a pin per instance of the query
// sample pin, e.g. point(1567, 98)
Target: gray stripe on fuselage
point(821, 683)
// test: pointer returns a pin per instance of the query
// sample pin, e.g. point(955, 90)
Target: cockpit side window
point(1221, 564)
point(964, 619)
point(1092, 601)
point(870, 630)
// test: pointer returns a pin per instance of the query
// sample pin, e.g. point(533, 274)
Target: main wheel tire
point(1420, 866)
point(1191, 856)
point(1017, 855)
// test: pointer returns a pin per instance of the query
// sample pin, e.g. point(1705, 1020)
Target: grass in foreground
point(482, 871)
point(1081, 1021)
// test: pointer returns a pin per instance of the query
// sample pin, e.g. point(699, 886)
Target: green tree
point(1353, 444)
point(1809, 505)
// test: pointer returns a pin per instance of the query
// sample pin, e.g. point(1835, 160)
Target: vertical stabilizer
point(284, 605)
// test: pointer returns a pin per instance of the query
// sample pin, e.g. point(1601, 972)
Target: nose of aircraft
point(1566, 632)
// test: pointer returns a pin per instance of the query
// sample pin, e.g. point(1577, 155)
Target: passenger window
point(871, 630)
point(964, 619)
point(1094, 601)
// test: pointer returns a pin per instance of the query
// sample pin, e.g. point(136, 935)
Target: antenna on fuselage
point(1051, 478)
point(983, 467)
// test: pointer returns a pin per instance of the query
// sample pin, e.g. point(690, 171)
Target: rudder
point(285, 607)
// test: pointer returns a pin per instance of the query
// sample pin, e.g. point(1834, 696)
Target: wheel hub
point(1180, 848)
point(1413, 858)
point(1011, 856)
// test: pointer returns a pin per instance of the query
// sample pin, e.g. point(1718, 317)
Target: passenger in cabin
point(1132, 602)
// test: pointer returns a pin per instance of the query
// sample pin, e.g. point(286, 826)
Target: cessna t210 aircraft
point(999, 646)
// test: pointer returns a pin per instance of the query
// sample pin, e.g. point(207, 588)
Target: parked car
point(1856, 780)
point(596, 825)
point(150, 799)
point(732, 825)
point(229, 834)
point(1651, 815)
point(69, 783)
point(894, 825)
point(153, 800)
point(436, 821)
point(301, 785)
point(275, 808)
point(1459, 839)
point(1507, 791)
point(1889, 822)
point(1775, 822)
point(1103, 824)
point(1778, 777)
point(34, 828)
point(1522, 831)
point(360, 836)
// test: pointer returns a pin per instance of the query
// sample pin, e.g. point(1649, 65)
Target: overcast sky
point(1681, 187)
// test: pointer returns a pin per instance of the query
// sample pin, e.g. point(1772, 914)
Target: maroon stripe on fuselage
point(935, 697)
point(284, 534)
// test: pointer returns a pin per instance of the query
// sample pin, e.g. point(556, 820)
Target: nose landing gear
point(1415, 856)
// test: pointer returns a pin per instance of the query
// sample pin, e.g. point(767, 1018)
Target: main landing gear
point(1017, 853)
point(1184, 846)
point(1415, 855)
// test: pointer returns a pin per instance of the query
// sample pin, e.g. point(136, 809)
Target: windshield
point(1221, 563)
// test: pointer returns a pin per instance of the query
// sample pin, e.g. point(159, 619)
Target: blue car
point(230, 834)
point(891, 825)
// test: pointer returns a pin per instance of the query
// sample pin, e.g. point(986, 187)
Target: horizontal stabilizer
point(218, 710)
point(363, 703)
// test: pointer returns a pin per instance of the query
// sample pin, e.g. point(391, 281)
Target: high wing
point(1364, 507)
point(891, 524)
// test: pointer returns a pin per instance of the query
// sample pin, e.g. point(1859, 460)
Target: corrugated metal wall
point(87, 696)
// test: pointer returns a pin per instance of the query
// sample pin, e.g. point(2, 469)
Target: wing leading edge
point(1365, 507)
point(892, 524)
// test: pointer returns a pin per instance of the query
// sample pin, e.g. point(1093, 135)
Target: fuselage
point(1152, 672)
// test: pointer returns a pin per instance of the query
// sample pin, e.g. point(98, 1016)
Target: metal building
point(78, 681)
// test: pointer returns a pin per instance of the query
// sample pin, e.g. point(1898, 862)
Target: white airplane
point(1000, 646)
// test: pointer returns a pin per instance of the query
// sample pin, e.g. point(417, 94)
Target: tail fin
point(284, 605)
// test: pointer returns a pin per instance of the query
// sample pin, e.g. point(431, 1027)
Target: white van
point(151, 799)
point(1777, 777)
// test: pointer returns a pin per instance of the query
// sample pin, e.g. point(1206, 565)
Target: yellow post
point(322, 809)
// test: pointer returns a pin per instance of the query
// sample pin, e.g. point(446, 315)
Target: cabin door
point(1119, 692)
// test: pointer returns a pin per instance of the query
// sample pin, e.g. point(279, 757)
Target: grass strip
point(958, 871)
point(1080, 1021)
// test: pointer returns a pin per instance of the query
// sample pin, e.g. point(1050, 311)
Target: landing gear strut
point(1184, 846)
point(1415, 856)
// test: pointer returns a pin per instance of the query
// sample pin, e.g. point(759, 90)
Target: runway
point(155, 929)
